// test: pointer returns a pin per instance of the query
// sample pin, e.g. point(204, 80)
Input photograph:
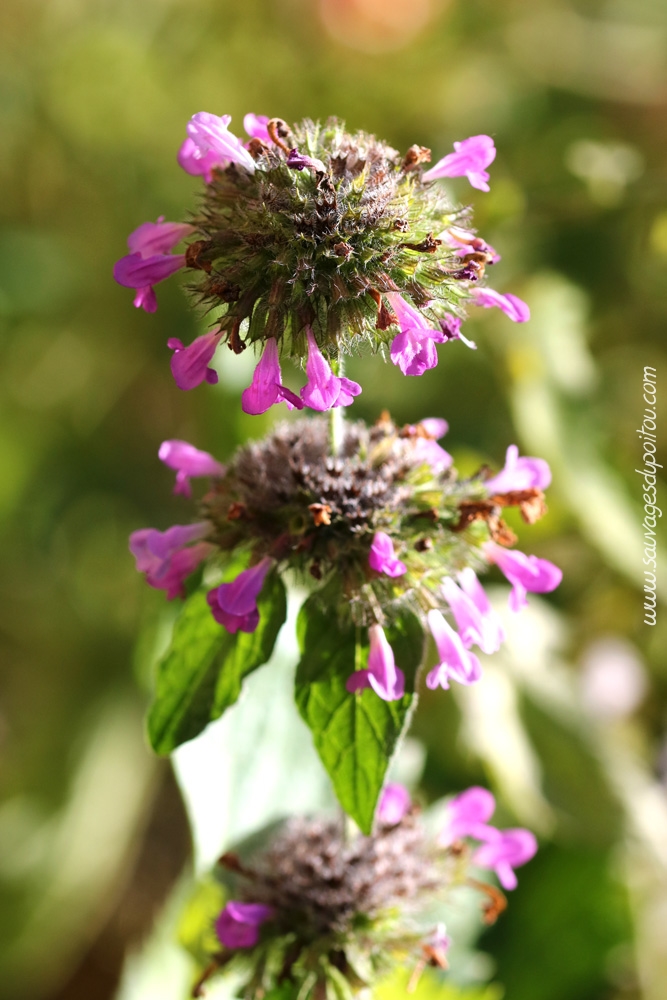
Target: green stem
point(336, 414)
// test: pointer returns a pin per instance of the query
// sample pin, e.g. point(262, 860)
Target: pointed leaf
point(202, 673)
point(356, 735)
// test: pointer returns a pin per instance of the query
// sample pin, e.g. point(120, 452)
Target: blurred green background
point(569, 725)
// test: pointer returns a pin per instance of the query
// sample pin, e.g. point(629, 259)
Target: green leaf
point(202, 673)
point(356, 735)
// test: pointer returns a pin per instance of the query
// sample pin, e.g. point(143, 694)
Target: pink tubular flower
point(451, 328)
point(473, 589)
point(255, 126)
point(467, 816)
point(238, 924)
point(324, 390)
point(382, 558)
point(514, 307)
point(426, 448)
point(188, 461)
point(471, 158)
point(190, 365)
point(210, 134)
point(466, 242)
point(149, 260)
point(198, 164)
point(456, 663)
point(504, 851)
point(523, 473)
point(394, 804)
point(525, 573)
point(440, 941)
point(475, 620)
point(234, 604)
point(386, 679)
point(413, 349)
point(299, 161)
point(164, 558)
point(266, 387)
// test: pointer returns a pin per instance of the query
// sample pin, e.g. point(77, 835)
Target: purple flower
point(199, 164)
point(525, 573)
point(394, 804)
point(504, 851)
point(426, 448)
point(435, 427)
point(451, 327)
point(514, 307)
point(470, 159)
point(188, 461)
point(413, 349)
point(467, 816)
point(149, 260)
point(266, 387)
point(439, 940)
point(234, 604)
point(382, 558)
point(164, 558)
point(238, 924)
point(324, 390)
point(255, 126)
point(456, 663)
point(473, 589)
point(386, 679)
point(475, 619)
point(190, 365)
point(210, 134)
point(467, 242)
point(520, 474)
point(299, 161)
point(157, 237)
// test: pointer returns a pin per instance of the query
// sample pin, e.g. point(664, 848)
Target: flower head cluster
point(311, 241)
point(382, 527)
point(315, 908)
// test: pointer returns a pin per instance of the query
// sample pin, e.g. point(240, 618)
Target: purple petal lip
point(210, 134)
point(255, 126)
point(234, 604)
point(238, 924)
point(135, 271)
point(199, 164)
point(513, 307)
point(467, 815)
point(456, 662)
point(525, 573)
point(476, 627)
point(266, 387)
point(158, 237)
point(324, 390)
point(298, 161)
point(520, 473)
point(382, 675)
point(164, 557)
point(469, 159)
point(188, 461)
point(394, 804)
point(413, 349)
point(190, 365)
point(382, 557)
point(505, 850)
